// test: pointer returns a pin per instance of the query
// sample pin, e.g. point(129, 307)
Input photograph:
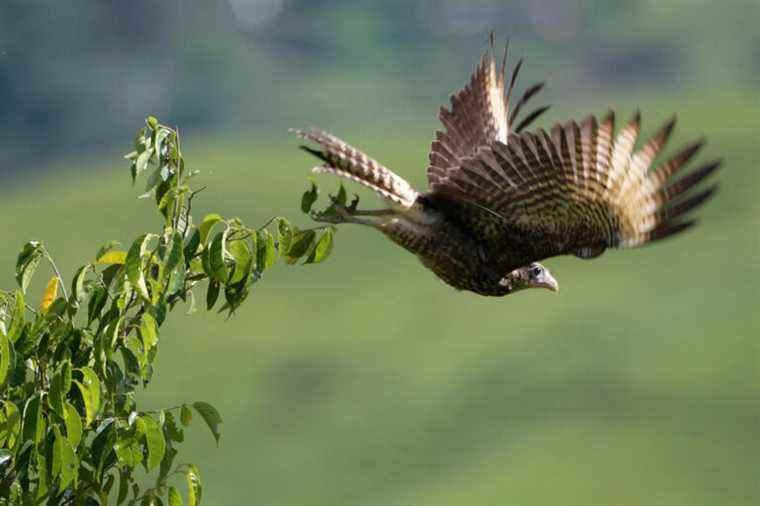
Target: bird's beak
point(550, 283)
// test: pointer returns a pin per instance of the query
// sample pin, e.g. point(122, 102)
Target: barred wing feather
point(578, 189)
point(479, 116)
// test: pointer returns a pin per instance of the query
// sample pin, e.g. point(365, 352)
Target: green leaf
point(124, 477)
point(341, 197)
point(166, 465)
point(57, 308)
point(10, 424)
point(148, 331)
point(17, 323)
point(64, 369)
point(152, 122)
point(134, 264)
point(77, 284)
point(284, 235)
point(174, 498)
point(206, 263)
point(194, 485)
point(207, 224)
point(65, 464)
point(5, 355)
point(191, 248)
point(323, 248)
point(98, 300)
point(301, 243)
point(172, 431)
point(166, 195)
point(90, 390)
point(212, 294)
point(142, 161)
point(43, 481)
point(154, 440)
point(73, 425)
point(234, 295)
point(185, 415)
point(175, 257)
point(212, 418)
point(111, 335)
point(240, 252)
point(309, 197)
point(134, 358)
point(265, 254)
point(161, 136)
point(27, 263)
point(176, 280)
point(34, 424)
point(59, 388)
point(217, 254)
point(128, 451)
point(103, 442)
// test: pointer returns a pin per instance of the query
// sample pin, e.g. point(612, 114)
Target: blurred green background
point(365, 381)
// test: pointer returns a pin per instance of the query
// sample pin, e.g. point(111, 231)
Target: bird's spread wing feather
point(579, 189)
point(479, 116)
point(346, 161)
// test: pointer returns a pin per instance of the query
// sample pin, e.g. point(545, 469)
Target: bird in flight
point(501, 198)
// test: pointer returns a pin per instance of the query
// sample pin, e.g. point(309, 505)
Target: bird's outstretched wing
point(479, 116)
point(577, 190)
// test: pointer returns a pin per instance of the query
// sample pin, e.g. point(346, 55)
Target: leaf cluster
point(71, 430)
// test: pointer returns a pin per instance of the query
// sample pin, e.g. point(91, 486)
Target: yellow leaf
point(112, 257)
point(51, 291)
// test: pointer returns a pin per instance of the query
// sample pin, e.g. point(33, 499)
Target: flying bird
point(500, 198)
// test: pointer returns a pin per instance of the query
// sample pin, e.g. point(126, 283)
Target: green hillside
point(366, 381)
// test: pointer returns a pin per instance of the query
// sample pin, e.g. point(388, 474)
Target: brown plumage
point(500, 199)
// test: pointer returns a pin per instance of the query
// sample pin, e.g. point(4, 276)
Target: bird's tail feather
point(344, 160)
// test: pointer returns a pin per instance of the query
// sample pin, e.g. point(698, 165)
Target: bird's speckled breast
point(443, 247)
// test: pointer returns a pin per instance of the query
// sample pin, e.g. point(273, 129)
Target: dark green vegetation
point(367, 381)
point(263, 65)
point(71, 431)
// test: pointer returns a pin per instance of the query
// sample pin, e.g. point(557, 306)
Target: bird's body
point(501, 199)
point(444, 247)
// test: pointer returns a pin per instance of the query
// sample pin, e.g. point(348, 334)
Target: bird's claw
point(336, 213)
point(328, 216)
point(354, 203)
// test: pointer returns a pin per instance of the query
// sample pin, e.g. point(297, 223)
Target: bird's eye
point(536, 270)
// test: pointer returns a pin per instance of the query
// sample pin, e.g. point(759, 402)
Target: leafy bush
point(71, 431)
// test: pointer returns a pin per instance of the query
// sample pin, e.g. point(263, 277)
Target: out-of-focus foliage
point(273, 64)
point(71, 429)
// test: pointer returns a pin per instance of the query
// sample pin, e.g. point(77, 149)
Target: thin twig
point(156, 411)
point(319, 227)
point(268, 222)
point(190, 207)
point(57, 273)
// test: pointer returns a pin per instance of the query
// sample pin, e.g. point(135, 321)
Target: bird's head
point(533, 275)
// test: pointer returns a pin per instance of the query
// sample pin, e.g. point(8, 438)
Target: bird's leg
point(373, 212)
point(340, 213)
